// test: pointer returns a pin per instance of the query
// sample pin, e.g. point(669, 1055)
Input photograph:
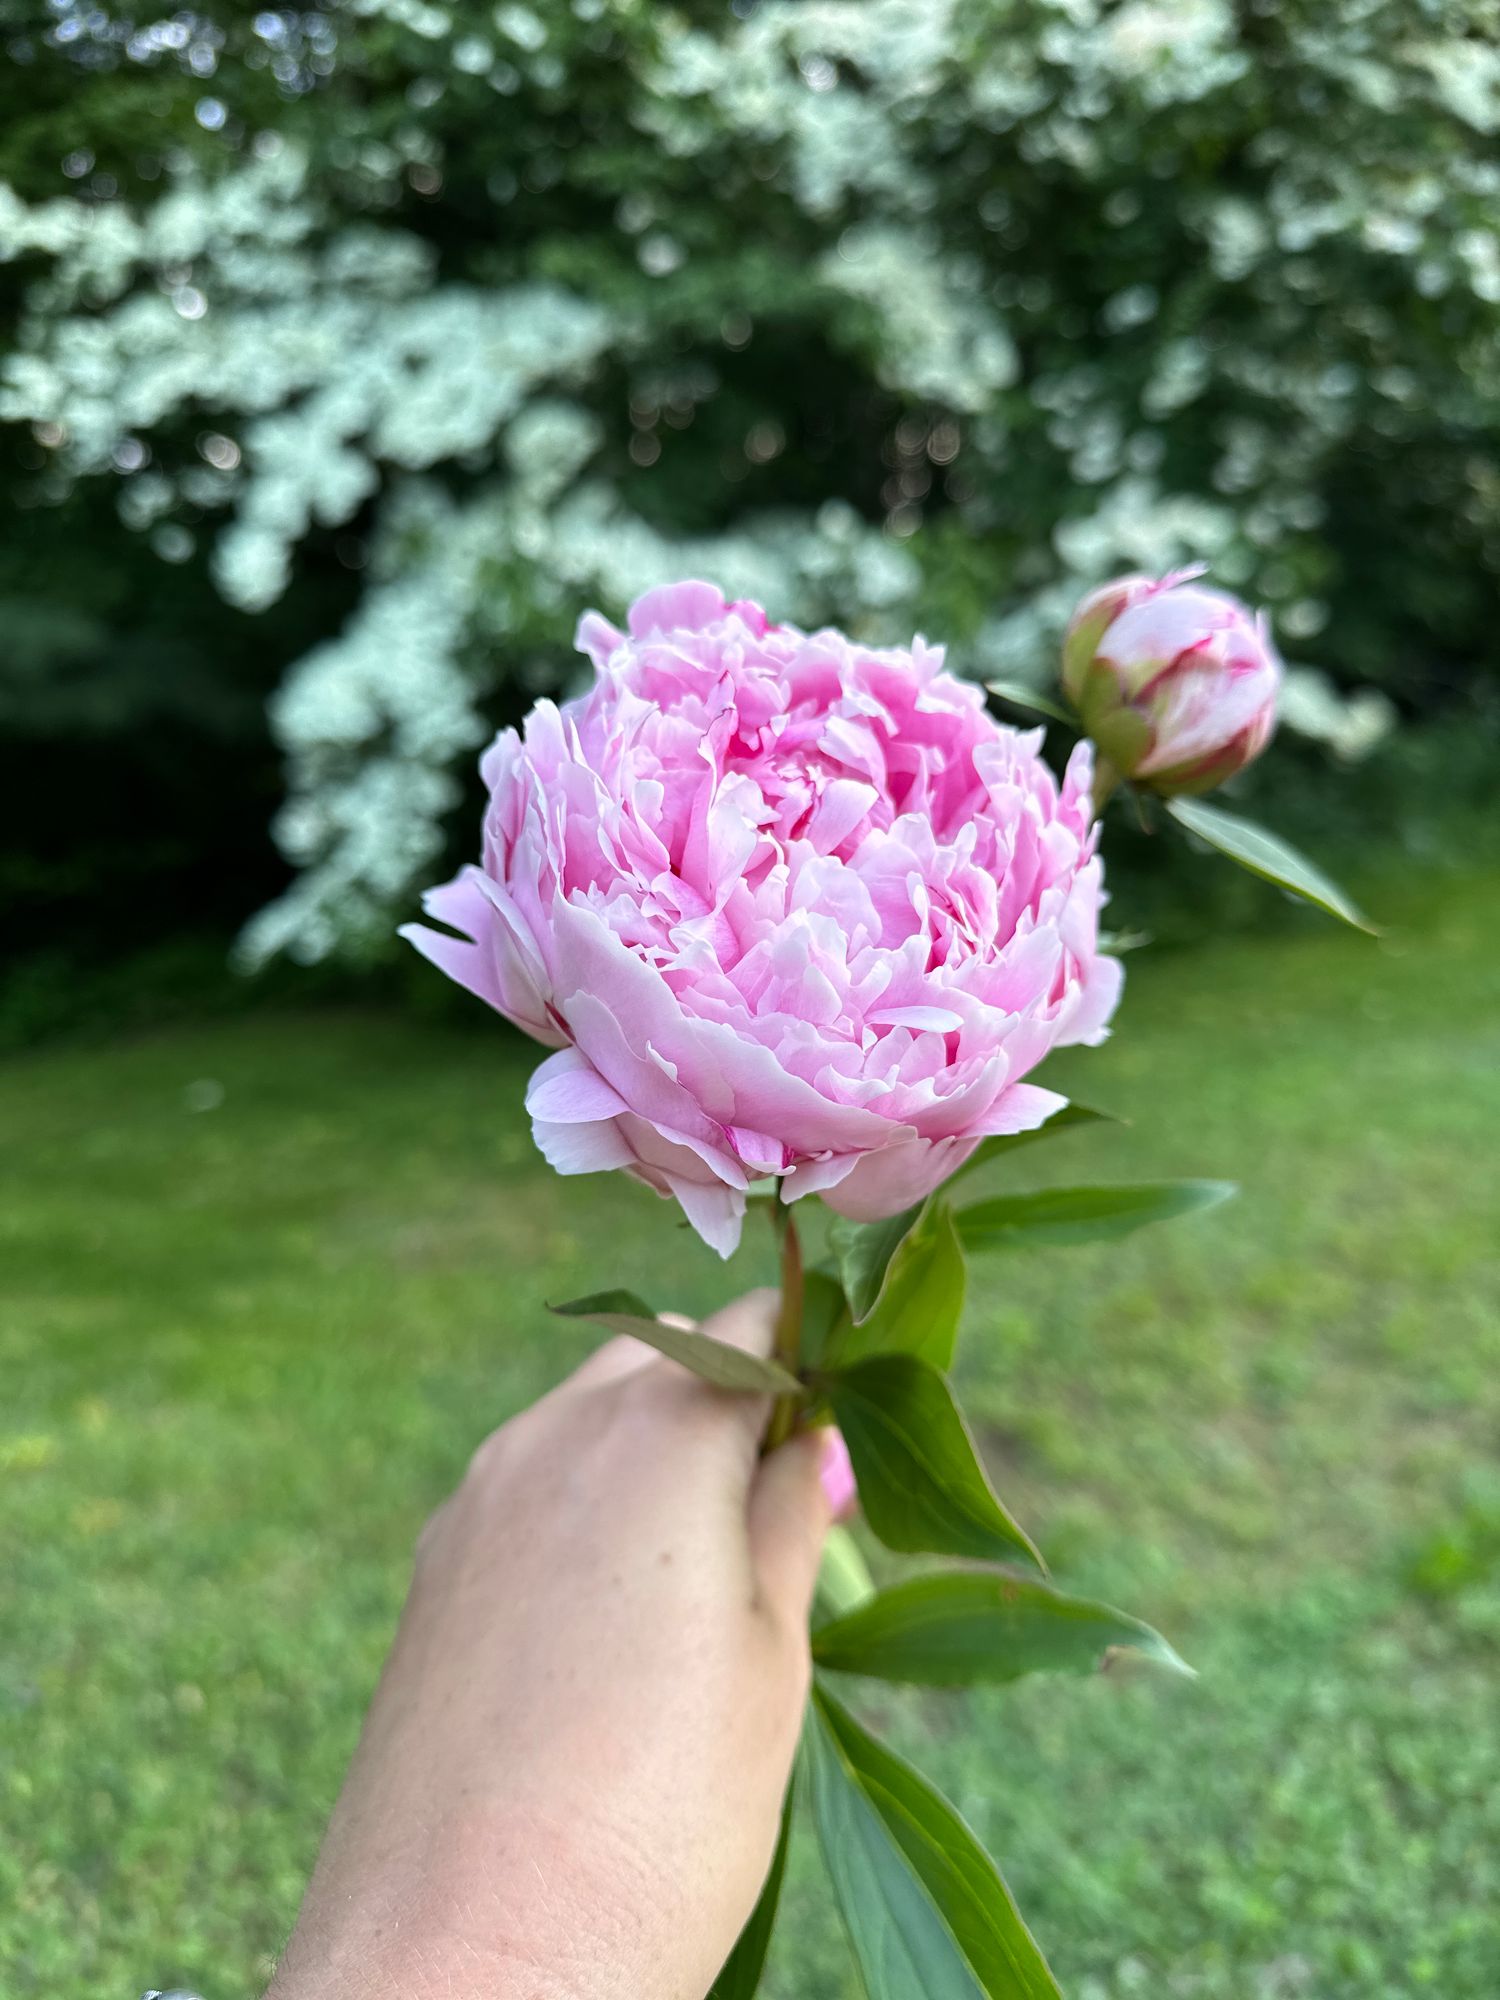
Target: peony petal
point(683, 1156)
point(839, 811)
point(676, 607)
point(735, 1081)
point(1097, 1000)
point(760, 1152)
point(568, 1090)
point(941, 1020)
point(597, 637)
point(581, 1149)
point(885, 1183)
point(813, 1176)
point(1022, 1108)
point(465, 964)
point(715, 1211)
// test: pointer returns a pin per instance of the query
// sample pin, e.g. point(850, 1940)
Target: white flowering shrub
point(896, 312)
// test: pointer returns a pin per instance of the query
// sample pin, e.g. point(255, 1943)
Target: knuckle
point(484, 1459)
point(791, 1652)
point(494, 1456)
point(431, 1533)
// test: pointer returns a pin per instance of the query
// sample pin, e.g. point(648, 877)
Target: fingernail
point(837, 1475)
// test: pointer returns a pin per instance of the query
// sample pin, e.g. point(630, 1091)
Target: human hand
point(570, 1778)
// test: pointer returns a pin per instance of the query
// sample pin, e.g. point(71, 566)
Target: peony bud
point(1176, 684)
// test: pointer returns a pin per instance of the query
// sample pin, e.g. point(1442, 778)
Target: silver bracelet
point(170, 1993)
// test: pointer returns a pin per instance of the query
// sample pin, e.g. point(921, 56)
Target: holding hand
point(569, 1782)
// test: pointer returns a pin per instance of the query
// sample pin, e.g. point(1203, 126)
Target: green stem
point(844, 1580)
point(788, 1348)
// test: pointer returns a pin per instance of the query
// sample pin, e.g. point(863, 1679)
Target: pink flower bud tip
point(1175, 683)
point(837, 1475)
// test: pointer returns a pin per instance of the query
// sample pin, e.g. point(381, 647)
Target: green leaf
point(742, 1969)
point(926, 1911)
point(1064, 1120)
point(970, 1627)
point(921, 1485)
point(1267, 855)
point(1022, 696)
point(618, 1304)
point(922, 1299)
point(726, 1367)
point(864, 1251)
point(1082, 1214)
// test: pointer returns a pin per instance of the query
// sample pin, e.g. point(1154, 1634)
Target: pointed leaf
point(864, 1251)
point(1071, 1115)
point(1267, 855)
point(1022, 696)
point(742, 1969)
point(900, 1940)
point(925, 1908)
point(971, 1627)
point(618, 1304)
point(1082, 1214)
point(922, 1299)
point(921, 1485)
point(714, 1360)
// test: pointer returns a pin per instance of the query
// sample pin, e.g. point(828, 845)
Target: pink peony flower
point(784, 905)
point(1175, 684)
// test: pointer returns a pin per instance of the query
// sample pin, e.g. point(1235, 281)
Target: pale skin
point(570, 1779)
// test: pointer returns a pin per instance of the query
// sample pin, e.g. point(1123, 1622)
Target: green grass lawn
point(245, 1348)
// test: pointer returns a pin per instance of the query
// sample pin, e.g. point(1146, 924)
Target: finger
point(748, 1322)
point(791, 1510)
point(612, 1362)
point(692, 1422)
point(722, 1428)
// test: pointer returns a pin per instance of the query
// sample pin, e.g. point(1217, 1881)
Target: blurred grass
point(265, 1283)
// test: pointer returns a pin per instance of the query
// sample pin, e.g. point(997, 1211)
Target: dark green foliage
point(1247, 269)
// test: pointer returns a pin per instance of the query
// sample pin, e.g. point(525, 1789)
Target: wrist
point(502, 1906)
point(427, 1968)
point(437, 1970)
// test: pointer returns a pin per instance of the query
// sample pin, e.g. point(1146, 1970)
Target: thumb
point(799, 1490)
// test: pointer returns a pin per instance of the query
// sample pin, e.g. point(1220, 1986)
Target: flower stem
point(788, 1348)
